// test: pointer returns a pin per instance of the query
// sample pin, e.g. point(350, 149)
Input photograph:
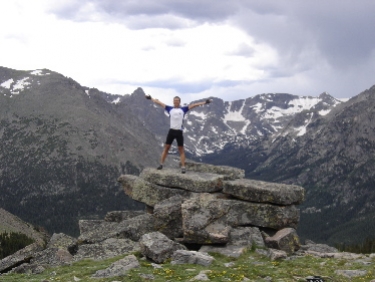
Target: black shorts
point(175, 134)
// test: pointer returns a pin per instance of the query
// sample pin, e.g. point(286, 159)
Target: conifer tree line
point(12, 242)
point(365, 247)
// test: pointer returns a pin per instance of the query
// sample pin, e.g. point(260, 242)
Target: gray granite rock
point(262, 215)
point(285, 239)
point(118, 268)
point(146, 192)
point(190, 181)
point(351, 273)
point(107, 249)
point(52, 257)
point(274, 254)
point(208, 219)
point(62, 241)
point(226, 250)
point(204, 219)
point(264, 192)
point(246, 236)
point(118, 216)
point(320, 248)
point(135, 227)
point(167, 217)
point(158, 247)
point(27, 268)
point(229, 173)
point(94, 231)
point(191, 257)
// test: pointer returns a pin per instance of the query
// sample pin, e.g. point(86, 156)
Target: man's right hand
point(148, 97)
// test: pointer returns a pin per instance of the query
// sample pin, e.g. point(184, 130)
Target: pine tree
point(12, 242)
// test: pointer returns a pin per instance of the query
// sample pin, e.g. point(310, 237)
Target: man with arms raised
point(176, 114)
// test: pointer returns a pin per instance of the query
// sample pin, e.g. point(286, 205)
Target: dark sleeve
point(168, 109)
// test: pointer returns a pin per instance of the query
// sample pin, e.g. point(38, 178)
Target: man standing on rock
point(176, 114)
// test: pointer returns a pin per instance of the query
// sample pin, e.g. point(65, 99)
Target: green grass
point(250, 265)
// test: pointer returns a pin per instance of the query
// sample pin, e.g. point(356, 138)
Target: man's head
point(176, 101)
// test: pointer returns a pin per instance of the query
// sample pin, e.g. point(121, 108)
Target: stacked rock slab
point(209, 202)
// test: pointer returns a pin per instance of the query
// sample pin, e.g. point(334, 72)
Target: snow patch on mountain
point(304, 103)
point(37, 72)
point(7, 84)
point(20, 85)
point(16, 87)
point(201, 115)
point(235, 115)
point(324, 112)
point(257, 107)
point(302, 129)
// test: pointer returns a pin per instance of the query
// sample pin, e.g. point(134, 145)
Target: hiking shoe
point(183, 170)
point(159, 167)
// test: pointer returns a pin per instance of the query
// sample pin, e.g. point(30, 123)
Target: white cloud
point(231, 50)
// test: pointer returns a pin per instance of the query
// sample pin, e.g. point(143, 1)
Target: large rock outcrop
point(210, 208)
point(212, 200)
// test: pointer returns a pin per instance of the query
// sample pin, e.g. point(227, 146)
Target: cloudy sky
point(230, 49)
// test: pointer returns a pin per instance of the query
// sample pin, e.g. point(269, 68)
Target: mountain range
point(63, 146)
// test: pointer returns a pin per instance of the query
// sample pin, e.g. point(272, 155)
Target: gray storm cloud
point(309, 36)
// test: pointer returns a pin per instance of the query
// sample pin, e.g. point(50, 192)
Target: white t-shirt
point(176, 116)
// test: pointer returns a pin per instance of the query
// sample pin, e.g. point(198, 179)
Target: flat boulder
point(107, 249)
point(204, 219)
point(118, 216)
point(158, 247)
point(285, 239)
point(52, 257)
point(319, 248)
point(229, 173)
point(27, 268)
point(94, 231)
point(167, 217)
point(226, 250)
point(118, 268)
point(246, 236)
point(191, 181)
point(262, 215)
point(61, 241)
point(191, 257)
point(208, 219)
point(274, 254)
point(264, 192)
point(136, 227)
point(146, 192)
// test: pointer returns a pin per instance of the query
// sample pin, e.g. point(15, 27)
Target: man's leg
point(167, 146)
point(164, 155)
point(180, 144)
point(182, 155)
point(182, 158)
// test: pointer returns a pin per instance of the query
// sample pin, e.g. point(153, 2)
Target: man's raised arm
point(156, 101)
point(192, 106)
